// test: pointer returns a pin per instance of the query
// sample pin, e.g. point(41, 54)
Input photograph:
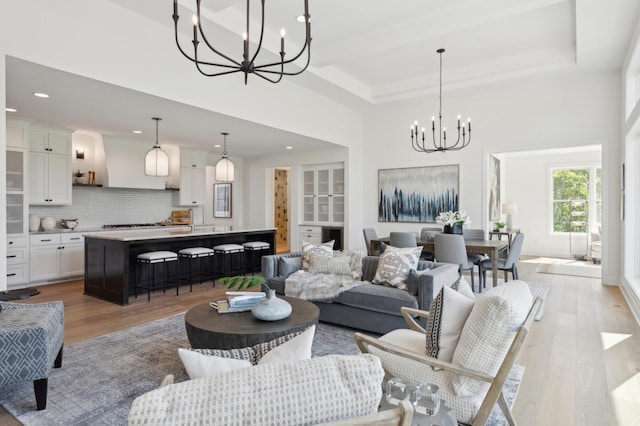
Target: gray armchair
point(31, 338)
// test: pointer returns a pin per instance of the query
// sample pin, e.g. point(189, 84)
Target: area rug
point(572, 267)
point(101, 377)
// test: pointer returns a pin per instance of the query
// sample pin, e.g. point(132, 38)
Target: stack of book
point(238, 301)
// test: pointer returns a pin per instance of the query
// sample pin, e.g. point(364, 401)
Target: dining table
point(490, 248)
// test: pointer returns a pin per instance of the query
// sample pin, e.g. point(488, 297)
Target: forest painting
point(417, 194)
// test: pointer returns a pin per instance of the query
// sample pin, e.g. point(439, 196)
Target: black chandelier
point(271, 72)
point(441, 144)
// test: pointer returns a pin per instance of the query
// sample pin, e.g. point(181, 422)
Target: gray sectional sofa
point(369, 307)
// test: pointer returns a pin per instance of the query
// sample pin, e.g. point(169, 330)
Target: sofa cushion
point(489, 331)
point(289, 265)
point(447, 314)
point(321, 263)
point(377, 298)
point(394, 266)
point(308, 248)
point(210, 362)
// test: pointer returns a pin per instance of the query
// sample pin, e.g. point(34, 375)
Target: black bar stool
point(253, 247)
point(192, 254)
point(153, 258)
point(228, 252)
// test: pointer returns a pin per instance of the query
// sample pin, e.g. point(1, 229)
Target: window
point(577, 190)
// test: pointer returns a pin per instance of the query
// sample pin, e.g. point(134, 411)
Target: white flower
point(453, 218)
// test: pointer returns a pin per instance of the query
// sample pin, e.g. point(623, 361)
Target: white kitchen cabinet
point(49, 166)
point(17, 133)
point(323, 194)
point(56, 256)
point(17, 260)
point(192, 177)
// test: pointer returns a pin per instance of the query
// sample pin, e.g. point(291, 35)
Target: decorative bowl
point(69, 223)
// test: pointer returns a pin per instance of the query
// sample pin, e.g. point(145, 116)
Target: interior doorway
point(281, 209)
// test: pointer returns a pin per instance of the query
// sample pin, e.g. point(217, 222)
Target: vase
point(453, 229)
point(271, 308)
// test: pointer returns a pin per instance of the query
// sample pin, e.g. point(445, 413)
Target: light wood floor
point(582, 360)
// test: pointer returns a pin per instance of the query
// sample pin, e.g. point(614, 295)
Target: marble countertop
point(92, 230)
point(155, 233)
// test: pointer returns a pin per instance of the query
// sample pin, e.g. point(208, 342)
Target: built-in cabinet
point(323, 194)
point(49, 166)
point(310, 234)
point(16, 202)
point(192, 177)
point(56, 256)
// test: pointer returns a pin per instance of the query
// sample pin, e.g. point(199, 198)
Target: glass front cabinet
point(323, 194)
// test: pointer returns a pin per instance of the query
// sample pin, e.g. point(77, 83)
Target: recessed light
point(217, 145)
point(137, 132)
point(40, 95)
point(288, 147)
point(10, 109)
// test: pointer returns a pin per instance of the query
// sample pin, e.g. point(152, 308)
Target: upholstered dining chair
point(475, 234)
point(403, 239)
point(450, 249)
point(370, 234)
point(506, 265)
point(427, 233)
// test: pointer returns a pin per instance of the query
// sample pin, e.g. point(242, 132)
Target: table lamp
point(509, 209)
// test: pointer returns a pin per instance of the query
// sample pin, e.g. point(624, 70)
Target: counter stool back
point(227, 252)
point(195, 254)
point(151, 259)
point(252, 248)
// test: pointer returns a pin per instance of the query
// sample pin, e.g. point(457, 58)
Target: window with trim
point(571, 184)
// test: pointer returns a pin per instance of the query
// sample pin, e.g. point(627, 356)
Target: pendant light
point(156, 162)
point(225, 170)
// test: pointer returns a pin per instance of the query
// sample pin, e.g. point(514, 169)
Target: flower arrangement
point(451, 218)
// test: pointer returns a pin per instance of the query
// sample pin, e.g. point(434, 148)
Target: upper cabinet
point(323, 194)
point(49, 166)
point(192, 177)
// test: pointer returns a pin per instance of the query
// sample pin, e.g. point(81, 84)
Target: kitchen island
point(110, 257)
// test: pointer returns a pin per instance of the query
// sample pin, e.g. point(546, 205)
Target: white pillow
point(308, 248)
point(321, 263)
point(488, 333)
point(394, 266)
point(447, 314)
point(203, 362)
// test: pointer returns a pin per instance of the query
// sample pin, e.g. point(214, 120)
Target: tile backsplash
point(96, 206)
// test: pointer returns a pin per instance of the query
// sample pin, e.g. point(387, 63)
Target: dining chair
point(510, 263)
point(403, 239)
point(427, 233)
point(475, 234)
point(370, 234)
point(450, 248)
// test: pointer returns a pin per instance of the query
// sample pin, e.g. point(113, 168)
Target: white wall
point(3, 180)
point(561, 113)
point(528, 184)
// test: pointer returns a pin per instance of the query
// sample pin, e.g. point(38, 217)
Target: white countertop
point(153, 234)
point(101, 229)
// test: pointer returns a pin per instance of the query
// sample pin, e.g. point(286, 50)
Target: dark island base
point(110, 265)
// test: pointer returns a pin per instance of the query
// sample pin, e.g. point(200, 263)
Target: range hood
point(124, 164)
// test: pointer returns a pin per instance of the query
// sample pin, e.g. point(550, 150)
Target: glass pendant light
point(225, 170)
point(156, 162)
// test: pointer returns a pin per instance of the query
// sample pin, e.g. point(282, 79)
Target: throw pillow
point(488, 333)
point(289, 265)
point(394, 266)
point(308, 248)
point(447, 314)
point(210, 362)
point(321, 263)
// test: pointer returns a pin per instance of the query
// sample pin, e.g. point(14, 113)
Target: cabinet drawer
point(16, 241)
point(17, 274)
point(310, 229)
point(44, 239)
point(71, 238)
point(17, 256)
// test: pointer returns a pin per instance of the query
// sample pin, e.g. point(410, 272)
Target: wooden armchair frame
point(399, 416)
point(494, 394)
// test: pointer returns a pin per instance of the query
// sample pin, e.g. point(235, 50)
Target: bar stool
point(251, 248)
point(227, 251)
point(191, 254)
point(153, 258)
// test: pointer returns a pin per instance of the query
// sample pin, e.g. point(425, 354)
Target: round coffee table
point(207, 329)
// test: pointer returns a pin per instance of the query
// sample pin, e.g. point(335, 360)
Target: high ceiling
point(364, 52)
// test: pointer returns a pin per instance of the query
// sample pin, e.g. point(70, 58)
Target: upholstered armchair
point(31, 338)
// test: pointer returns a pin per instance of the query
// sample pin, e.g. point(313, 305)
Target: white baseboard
point(633, 300)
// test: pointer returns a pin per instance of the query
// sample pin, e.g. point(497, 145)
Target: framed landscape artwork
point(417, 194)
point(494, 188)
point(221, 200)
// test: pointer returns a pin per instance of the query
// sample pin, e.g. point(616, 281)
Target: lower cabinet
point(310, 234)
point(17, 260)
point(56, 256)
